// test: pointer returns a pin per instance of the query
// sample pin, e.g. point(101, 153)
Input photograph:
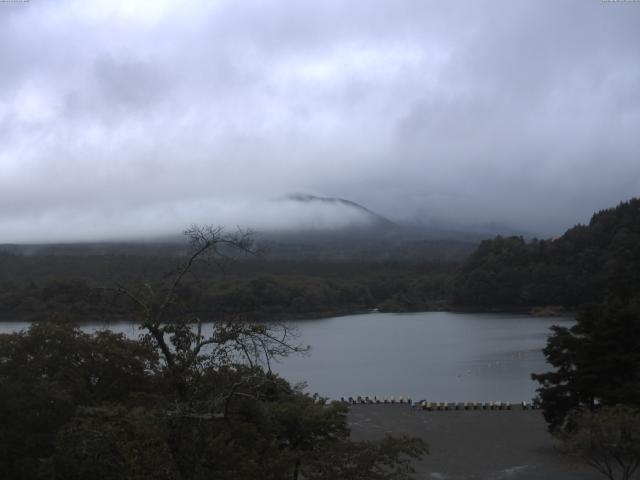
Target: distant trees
point(259, 290)
point(575, 269)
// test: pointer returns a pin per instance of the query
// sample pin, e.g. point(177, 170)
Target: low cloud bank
point(169, 220)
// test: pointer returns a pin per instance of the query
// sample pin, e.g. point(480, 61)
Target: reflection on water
point(438, 356)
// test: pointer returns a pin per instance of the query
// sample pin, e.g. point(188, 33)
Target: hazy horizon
point(131, 119)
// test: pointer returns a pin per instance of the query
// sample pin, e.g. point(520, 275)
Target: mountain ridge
point(308, 198)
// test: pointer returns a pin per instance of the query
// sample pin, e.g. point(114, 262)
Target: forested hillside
point(46, 285)
point(579, 267)
point(506, 273)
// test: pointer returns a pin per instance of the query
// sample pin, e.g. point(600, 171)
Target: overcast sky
point(126, 118)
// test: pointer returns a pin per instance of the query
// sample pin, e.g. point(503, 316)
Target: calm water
point(437, 356)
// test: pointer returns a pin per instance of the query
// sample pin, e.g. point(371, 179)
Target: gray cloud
point(120, 118)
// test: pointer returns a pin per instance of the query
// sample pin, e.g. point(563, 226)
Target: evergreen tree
point(597, 362)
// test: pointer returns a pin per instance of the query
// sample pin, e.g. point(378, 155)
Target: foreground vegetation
point(591, 400)
point(78, 406)
point(175, 404)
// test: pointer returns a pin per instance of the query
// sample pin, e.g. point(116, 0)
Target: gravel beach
point(476, 444)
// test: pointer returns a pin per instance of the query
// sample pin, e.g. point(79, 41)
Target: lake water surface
point(438, 356)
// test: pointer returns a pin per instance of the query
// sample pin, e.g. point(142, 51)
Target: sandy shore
point(469, 445)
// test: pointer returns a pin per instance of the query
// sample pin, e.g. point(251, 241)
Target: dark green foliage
point(597, 362)
point(577, 268)
point(47, 372)
point(608, 440)
point(286, 290)
point(112, 443)
point(77, 406)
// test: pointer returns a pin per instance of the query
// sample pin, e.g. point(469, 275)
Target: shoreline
point(286, 317)
point(473, 444)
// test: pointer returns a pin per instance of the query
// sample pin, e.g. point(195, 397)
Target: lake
point(438, 356)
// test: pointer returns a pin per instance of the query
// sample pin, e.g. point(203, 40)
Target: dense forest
point(505, 273)
point(579, 267)
point(258, 288)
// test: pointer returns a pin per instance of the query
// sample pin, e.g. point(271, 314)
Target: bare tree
point(607, 439)
point(179, 338)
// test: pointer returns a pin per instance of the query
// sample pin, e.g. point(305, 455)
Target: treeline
point(506, 273)
point(50, 285)
point(577, 268)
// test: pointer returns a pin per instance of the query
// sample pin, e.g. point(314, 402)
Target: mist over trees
point(66, 415)
point(445, 124)
point(577, 268)
point(505, 273)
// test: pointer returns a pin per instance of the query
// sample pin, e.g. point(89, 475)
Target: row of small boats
point(434, 406)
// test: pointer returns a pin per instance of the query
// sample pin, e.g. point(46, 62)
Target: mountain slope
point(581, 266)
point(370, 218)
